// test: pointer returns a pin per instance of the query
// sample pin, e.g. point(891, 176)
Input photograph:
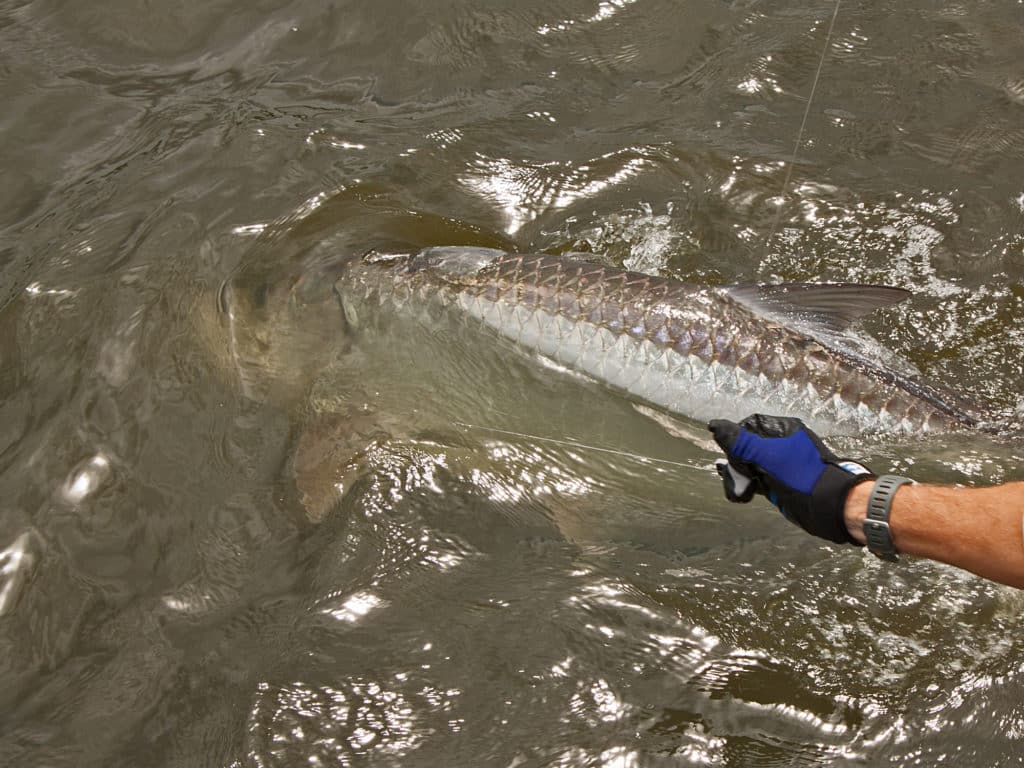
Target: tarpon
point(696, 351)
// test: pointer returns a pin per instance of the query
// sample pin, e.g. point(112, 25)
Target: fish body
point(695, 351)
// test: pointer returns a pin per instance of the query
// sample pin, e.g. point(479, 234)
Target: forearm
point(978, 529)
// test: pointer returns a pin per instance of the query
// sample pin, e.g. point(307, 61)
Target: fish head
point(271, 332)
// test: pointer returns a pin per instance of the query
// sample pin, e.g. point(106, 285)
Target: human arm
point(977, 529)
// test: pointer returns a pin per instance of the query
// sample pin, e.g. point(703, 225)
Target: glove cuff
point(828, 502)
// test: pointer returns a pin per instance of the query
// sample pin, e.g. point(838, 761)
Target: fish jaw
point(690, 350)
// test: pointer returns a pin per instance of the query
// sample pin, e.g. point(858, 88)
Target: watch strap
point(876, 524)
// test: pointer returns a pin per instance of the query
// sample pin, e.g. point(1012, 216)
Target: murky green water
point(235, 536)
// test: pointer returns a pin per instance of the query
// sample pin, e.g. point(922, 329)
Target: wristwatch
point(876, 524)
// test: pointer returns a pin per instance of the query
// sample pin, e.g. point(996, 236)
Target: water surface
point(235, 535)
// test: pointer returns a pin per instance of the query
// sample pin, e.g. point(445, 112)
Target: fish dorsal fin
point(832, 306)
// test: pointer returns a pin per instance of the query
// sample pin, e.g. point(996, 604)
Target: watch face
point(876, 526)
point(879, 540)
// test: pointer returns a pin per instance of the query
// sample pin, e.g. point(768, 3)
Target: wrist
point(822, 513)
point(855, 510)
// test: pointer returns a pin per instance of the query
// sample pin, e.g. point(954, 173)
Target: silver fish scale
point(689, 349)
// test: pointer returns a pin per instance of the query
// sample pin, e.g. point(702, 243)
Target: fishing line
point(574, 444)
point(803, 124)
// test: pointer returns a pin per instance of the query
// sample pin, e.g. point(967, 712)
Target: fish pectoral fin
point(831, 306)
point(677, 429)
point(329, 456)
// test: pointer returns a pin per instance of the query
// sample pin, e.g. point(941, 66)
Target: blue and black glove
point(782, 459)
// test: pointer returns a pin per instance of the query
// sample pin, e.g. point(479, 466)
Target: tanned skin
point(977, 529)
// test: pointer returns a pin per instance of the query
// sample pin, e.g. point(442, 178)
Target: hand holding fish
point(978, 529)
point(782, 459)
